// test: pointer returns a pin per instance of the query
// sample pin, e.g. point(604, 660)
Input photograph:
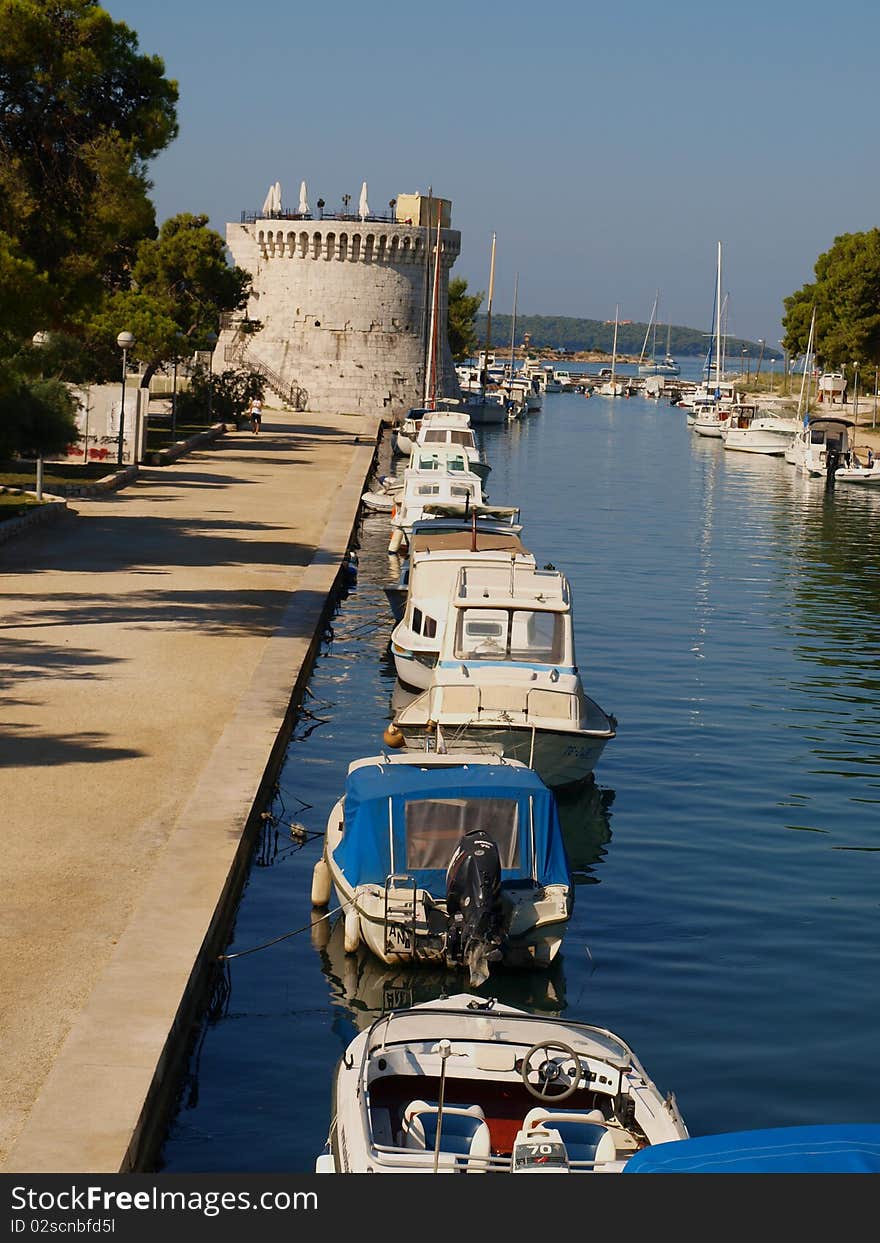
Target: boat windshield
point(449, 436)
point(530, 635)
point(434, 827)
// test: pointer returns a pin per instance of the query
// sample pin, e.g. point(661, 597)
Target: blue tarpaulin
point(825, 1149)
point(365, 852)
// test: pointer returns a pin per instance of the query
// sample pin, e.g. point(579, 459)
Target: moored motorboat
point(423, 489)
point(465, 1084)
point(822, 444)
point(751, 430)
point(507, 679)
point(451, 860)
point(855, 470)
point(435, 564)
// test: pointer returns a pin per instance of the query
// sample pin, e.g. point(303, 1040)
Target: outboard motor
point(832, 461)
point(474, 935)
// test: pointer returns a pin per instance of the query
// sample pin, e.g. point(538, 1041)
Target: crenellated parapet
point(344, 306)
point(375, 243)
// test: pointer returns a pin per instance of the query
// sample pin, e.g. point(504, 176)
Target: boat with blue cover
point(454, 860)
point(826, 1148)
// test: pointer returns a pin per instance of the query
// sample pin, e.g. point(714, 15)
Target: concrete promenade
point(150, 645)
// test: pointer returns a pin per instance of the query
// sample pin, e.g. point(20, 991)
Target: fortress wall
point(342, 304)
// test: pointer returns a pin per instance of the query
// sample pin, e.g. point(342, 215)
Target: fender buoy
point(321, 884)
point(352, 930)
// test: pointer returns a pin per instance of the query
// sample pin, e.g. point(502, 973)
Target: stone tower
point(345, 305)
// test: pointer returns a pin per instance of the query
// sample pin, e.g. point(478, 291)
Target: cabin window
point(482, 634)
point(417, 621)
point(429, 489)
point(462, 438)
point(435, 438)
point(536, 635)
point(434, 827)
point(429, 627)
point(530, 635)
point(461, 491)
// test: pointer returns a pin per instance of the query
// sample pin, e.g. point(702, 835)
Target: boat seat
point(583, 1132)
point(463, 1131)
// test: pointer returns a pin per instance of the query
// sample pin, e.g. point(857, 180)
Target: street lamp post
point(41, 340)
point(181, 336)
point(856, 393)
point(742, 366)
point(760, 359)
point(125, 341)
point(785, 368)
point(211, 341)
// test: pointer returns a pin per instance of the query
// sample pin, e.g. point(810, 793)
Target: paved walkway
point(136, 680)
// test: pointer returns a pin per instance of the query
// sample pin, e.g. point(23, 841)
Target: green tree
point(181, 283)
point(44, 422)
point(846, 297)
point(227, 395)
point(81, 112)
point(461, 319)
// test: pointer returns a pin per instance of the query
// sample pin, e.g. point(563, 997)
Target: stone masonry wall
point(342, 304)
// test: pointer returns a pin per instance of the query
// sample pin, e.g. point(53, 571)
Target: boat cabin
point(514, 613)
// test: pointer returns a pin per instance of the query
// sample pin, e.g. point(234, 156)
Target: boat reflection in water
point(367, 988)
point(584, 813)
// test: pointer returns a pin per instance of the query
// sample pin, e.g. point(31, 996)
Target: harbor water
point(727, 854)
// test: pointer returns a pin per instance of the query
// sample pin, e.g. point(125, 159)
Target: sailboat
point(486, 407)
point(612, 386)
point(668, 366)
point(712, 411)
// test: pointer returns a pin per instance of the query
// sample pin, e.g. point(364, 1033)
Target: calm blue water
point(728, 854)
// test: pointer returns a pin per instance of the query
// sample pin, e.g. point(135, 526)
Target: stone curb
point(162, 457)
point(41, 515)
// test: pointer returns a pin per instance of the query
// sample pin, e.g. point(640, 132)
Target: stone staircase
point(235, 351)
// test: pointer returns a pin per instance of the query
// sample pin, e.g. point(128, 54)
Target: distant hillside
point(560, 332)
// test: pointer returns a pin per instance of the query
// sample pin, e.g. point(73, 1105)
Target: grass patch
point(11, 505)
point(23, 474)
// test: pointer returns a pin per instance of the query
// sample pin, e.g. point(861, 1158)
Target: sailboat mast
point(648, 330)
point(614, 351)
point(802, 409)
point(513, 329)
point(426, 307)
point(484, 369)
point(718, 326)
point(432, 347)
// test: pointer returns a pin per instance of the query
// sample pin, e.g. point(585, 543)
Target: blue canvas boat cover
point(423, 835)
point(828, 1149)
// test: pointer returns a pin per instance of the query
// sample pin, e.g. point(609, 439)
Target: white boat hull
point(559, 757)
point(866, 475)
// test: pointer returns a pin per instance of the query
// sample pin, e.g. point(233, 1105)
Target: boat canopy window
point(510, 634)
point(434, 827)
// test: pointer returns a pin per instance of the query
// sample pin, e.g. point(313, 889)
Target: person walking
point(256, 413)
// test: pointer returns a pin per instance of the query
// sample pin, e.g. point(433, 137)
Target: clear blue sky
point(609, 150)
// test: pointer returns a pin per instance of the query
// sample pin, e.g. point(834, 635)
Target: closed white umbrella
point(278, 206)
point(303, 200)
point(269, 201)
point(362, 206)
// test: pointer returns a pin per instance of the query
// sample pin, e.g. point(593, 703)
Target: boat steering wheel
point(550, 1072)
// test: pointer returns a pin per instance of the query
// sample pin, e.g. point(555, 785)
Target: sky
point(609, 148)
